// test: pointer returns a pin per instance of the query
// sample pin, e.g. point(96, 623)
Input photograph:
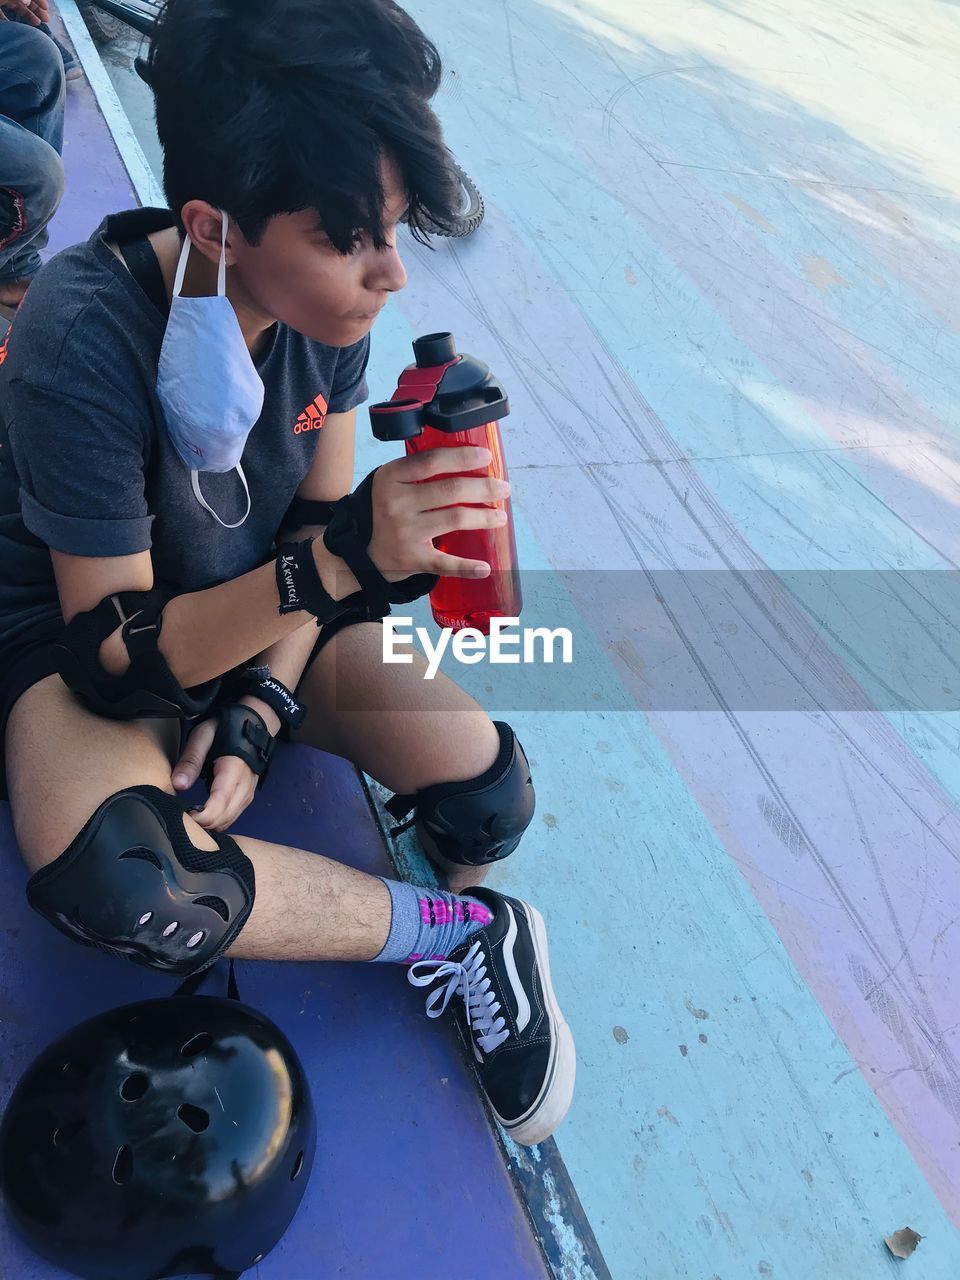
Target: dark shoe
point(72, 69)
point(524, 1049)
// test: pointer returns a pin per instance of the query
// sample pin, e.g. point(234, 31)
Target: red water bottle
point(442, 401)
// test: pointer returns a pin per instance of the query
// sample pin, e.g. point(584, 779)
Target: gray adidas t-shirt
point(86, 466)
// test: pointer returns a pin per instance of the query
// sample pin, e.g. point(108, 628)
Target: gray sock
point(427, 924)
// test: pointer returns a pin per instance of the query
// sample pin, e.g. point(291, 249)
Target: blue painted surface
point(715, 278)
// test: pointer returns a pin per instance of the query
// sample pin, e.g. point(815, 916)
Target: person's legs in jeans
point(71, 66)
point(31, 137)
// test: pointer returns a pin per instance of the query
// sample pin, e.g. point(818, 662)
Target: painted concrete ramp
point(718, 277)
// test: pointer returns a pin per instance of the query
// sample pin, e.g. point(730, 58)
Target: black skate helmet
point(164, 1138)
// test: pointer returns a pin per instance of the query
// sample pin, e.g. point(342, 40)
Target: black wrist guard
point(348, 535)
point(241, 732)
point(299, 585)
point(259, 683)
point(304, 511)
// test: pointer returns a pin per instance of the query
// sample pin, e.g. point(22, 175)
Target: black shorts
point(32, 665)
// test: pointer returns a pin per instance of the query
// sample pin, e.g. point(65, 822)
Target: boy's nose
point(389, 272)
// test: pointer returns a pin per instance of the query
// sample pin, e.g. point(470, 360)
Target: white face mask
point(207, 383)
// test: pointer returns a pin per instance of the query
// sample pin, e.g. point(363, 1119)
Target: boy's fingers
point(449, 519)
point(438, 462)
point(187, 769)
point(230, 794)
point(456, 567)
point(239, 801)
point(462, 490)
point(211, 815)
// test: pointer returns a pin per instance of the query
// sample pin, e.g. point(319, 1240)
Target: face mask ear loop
point(195, 482)
point(181, 267)
point(222, 268)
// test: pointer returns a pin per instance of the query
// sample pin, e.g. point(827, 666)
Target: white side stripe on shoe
point(510, 964)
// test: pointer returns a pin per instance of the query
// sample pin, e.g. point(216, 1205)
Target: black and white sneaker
point(524, 1049)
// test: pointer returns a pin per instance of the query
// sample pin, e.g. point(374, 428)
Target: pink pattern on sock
point(476, 911)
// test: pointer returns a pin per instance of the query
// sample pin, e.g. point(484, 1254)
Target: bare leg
point(404, 731)
point(62, 762)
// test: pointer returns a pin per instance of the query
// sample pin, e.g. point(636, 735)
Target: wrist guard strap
point(304, 511)
point(241, 732)
point(348, 536)
point(299, 585)
point(258, 682)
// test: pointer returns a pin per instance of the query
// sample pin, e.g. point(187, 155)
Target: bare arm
point(330, 477)
point(208, 632)
point(234, 785)
point(204, 633)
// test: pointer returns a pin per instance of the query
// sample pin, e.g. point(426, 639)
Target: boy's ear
point(204, 226)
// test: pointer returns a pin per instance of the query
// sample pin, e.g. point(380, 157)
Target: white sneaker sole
point(553, 1101)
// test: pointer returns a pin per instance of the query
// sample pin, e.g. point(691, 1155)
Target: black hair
point(276, 106)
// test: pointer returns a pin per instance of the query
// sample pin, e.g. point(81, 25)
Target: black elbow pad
point(148, 687)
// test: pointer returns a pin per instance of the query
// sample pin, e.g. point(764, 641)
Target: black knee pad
point(133, 884)
point(477, 821)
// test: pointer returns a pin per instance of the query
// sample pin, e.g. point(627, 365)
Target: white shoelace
point(470, 981)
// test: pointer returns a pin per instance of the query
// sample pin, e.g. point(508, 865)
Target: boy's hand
point(234, 782)
point(33, 11)
point(408, 514)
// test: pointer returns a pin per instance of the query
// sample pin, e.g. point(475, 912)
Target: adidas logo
point(312, 417)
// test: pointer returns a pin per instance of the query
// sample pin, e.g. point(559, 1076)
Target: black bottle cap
point(434, 349)
point(397, 419)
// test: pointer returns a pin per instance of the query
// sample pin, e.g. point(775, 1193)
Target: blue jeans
point(32, 91)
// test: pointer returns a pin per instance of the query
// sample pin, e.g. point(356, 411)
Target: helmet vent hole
point(199, 1044)
point(145, 855)
point(123, 1166)
point(67, 1132)
point(134, 1087)
point(194, 1118)
point(297, 1166)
